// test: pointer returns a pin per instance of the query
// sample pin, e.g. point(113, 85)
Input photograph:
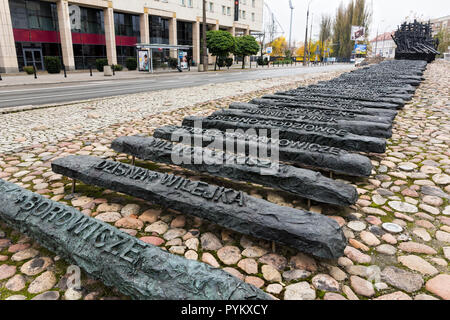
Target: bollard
point(90, 69)
point(34, 71)
point(112, 67)
point(64, 68)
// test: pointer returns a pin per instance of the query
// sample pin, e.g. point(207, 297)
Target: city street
point(44, 94)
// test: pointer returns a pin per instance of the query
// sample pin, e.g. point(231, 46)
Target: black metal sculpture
point(415, 42)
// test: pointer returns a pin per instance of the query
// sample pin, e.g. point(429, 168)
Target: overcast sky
point(387, 14)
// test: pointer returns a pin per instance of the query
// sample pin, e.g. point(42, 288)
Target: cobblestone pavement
point(70, 120)
point(410, 186)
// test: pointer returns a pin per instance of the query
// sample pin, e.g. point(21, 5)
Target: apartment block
point(81, 31)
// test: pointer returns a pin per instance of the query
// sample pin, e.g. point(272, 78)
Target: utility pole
point(205, 49)
point(306, 35)
point(310, 35)
point(290, 29)
point(376, 43)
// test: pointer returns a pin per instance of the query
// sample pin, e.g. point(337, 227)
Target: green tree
point(325, 32)
point(246, 46)
point(356, 13)
point(220, 44)
point(443, 36)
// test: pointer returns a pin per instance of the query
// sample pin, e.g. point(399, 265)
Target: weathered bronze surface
point(135, 268)
point(306, 231)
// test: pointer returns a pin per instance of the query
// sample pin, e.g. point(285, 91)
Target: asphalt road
point(70, 92)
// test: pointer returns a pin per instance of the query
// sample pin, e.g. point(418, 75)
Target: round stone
point(299, 291)
point(248, 265)
point(324, 282)
point(130, 209)
point(210, 242)
point(174, 233)
point(7, 271)
point(403, 206)
point(209, 259)
point(49, 295)
point(44, 282)
point(16, 297)
point(407, 166)
point(361, 286)
point(440, 286)
point(257, 282)
point(392, 227)
point(229, 255)
point(441, 178)
point(274, 288)
point(110, 217)
point(386, 249)
point(356, 225)
point(72, 294)
point(296, 274)
point(254, 252)
point(16, 283)
point(270, 273)
point(430, 169)
point(129, 223)
point(275, 260)
point(379, 200)
point(25, 254)
point(402, 279)
point(159, 227)
point(191, 255)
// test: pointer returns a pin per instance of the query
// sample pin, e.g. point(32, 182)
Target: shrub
point(221, 62)
point(229, 62)
point(28, 69)
point(100, 63)
point(173, 62)
point(131, 64)
point(52, 64)
point(262, 62)
point(118, 67)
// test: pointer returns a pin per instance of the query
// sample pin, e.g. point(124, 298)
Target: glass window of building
point(32, 14)
point(159, 30)
point(90, 21)
point(126, 25)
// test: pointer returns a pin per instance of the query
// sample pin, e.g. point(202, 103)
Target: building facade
point(383, 46)
point(81, 31)
point(440, 24)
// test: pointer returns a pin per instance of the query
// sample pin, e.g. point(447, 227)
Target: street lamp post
point(290, 29)
point(376, 39)
point(310, 36)
point(205, 49)
point(306, 35)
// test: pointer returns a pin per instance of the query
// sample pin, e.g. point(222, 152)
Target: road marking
point(98, 83)
point(83, 93)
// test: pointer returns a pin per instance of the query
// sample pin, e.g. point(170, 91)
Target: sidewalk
point(84, 75)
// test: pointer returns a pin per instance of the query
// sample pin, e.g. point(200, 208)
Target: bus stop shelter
point(147, 49)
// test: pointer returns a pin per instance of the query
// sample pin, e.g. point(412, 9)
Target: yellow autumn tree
point(299, 52)
point(316, 49)
point(279, 47)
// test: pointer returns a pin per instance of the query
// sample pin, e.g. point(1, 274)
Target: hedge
point(100, 63)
